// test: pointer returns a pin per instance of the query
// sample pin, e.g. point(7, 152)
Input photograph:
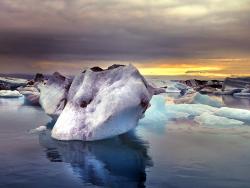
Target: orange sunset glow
point(218, 68)
point(206, 67)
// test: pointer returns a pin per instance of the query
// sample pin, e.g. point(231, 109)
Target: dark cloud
point(123, 31)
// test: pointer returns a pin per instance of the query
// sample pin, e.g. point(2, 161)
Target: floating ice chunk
point(207, 100)
point(208, 90)
point(176, 87)
point(210, 120)
point(158, 82)
point(197, 98)
point(103, 103)
point(227, 92)
point(191, 109)
point(235, 83)
point(234, 113)
point(242, 95)
point(13, 83)
point(31, 94)
point(159, 113)
point(172, 89)
point(180, 86)
point(28, 90)
point(38, 130)
point(53, 94)
point(170, 86)
point(10, 94)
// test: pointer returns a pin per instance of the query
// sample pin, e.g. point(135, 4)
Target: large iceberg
point(103, 103)
point(53, 94)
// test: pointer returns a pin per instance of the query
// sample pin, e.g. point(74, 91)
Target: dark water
point(150, 156)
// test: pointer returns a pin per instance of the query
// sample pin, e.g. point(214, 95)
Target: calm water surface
point(150, 156)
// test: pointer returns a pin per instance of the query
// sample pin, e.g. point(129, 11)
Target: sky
point(160, 37)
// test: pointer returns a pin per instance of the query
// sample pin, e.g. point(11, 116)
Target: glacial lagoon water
point(168, 156)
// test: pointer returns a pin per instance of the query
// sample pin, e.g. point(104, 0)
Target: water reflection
point(117, 162)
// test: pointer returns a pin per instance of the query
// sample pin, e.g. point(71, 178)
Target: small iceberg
point(53, 94)
point(197, 98)
point(234, 113)
point(10, 94)
point(191, 109)
point(12, 83)
point(211, 120)
point(38, 130)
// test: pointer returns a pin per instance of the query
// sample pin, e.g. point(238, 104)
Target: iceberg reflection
point(116, 162)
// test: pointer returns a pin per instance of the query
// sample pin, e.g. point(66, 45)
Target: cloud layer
point(130, 31)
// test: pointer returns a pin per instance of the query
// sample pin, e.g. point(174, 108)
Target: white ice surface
point(158, 113)
point(191, 109)
point(10, 94)
point(103, 104)
point(242, 95)
point(13, 81)
point(28, 90)
point(210, 120)
point(234, 113)
point(53, 95)
point(50, 99)
point(170, 86)
point(197, 98)
point(161, 112)
point(38, 130)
